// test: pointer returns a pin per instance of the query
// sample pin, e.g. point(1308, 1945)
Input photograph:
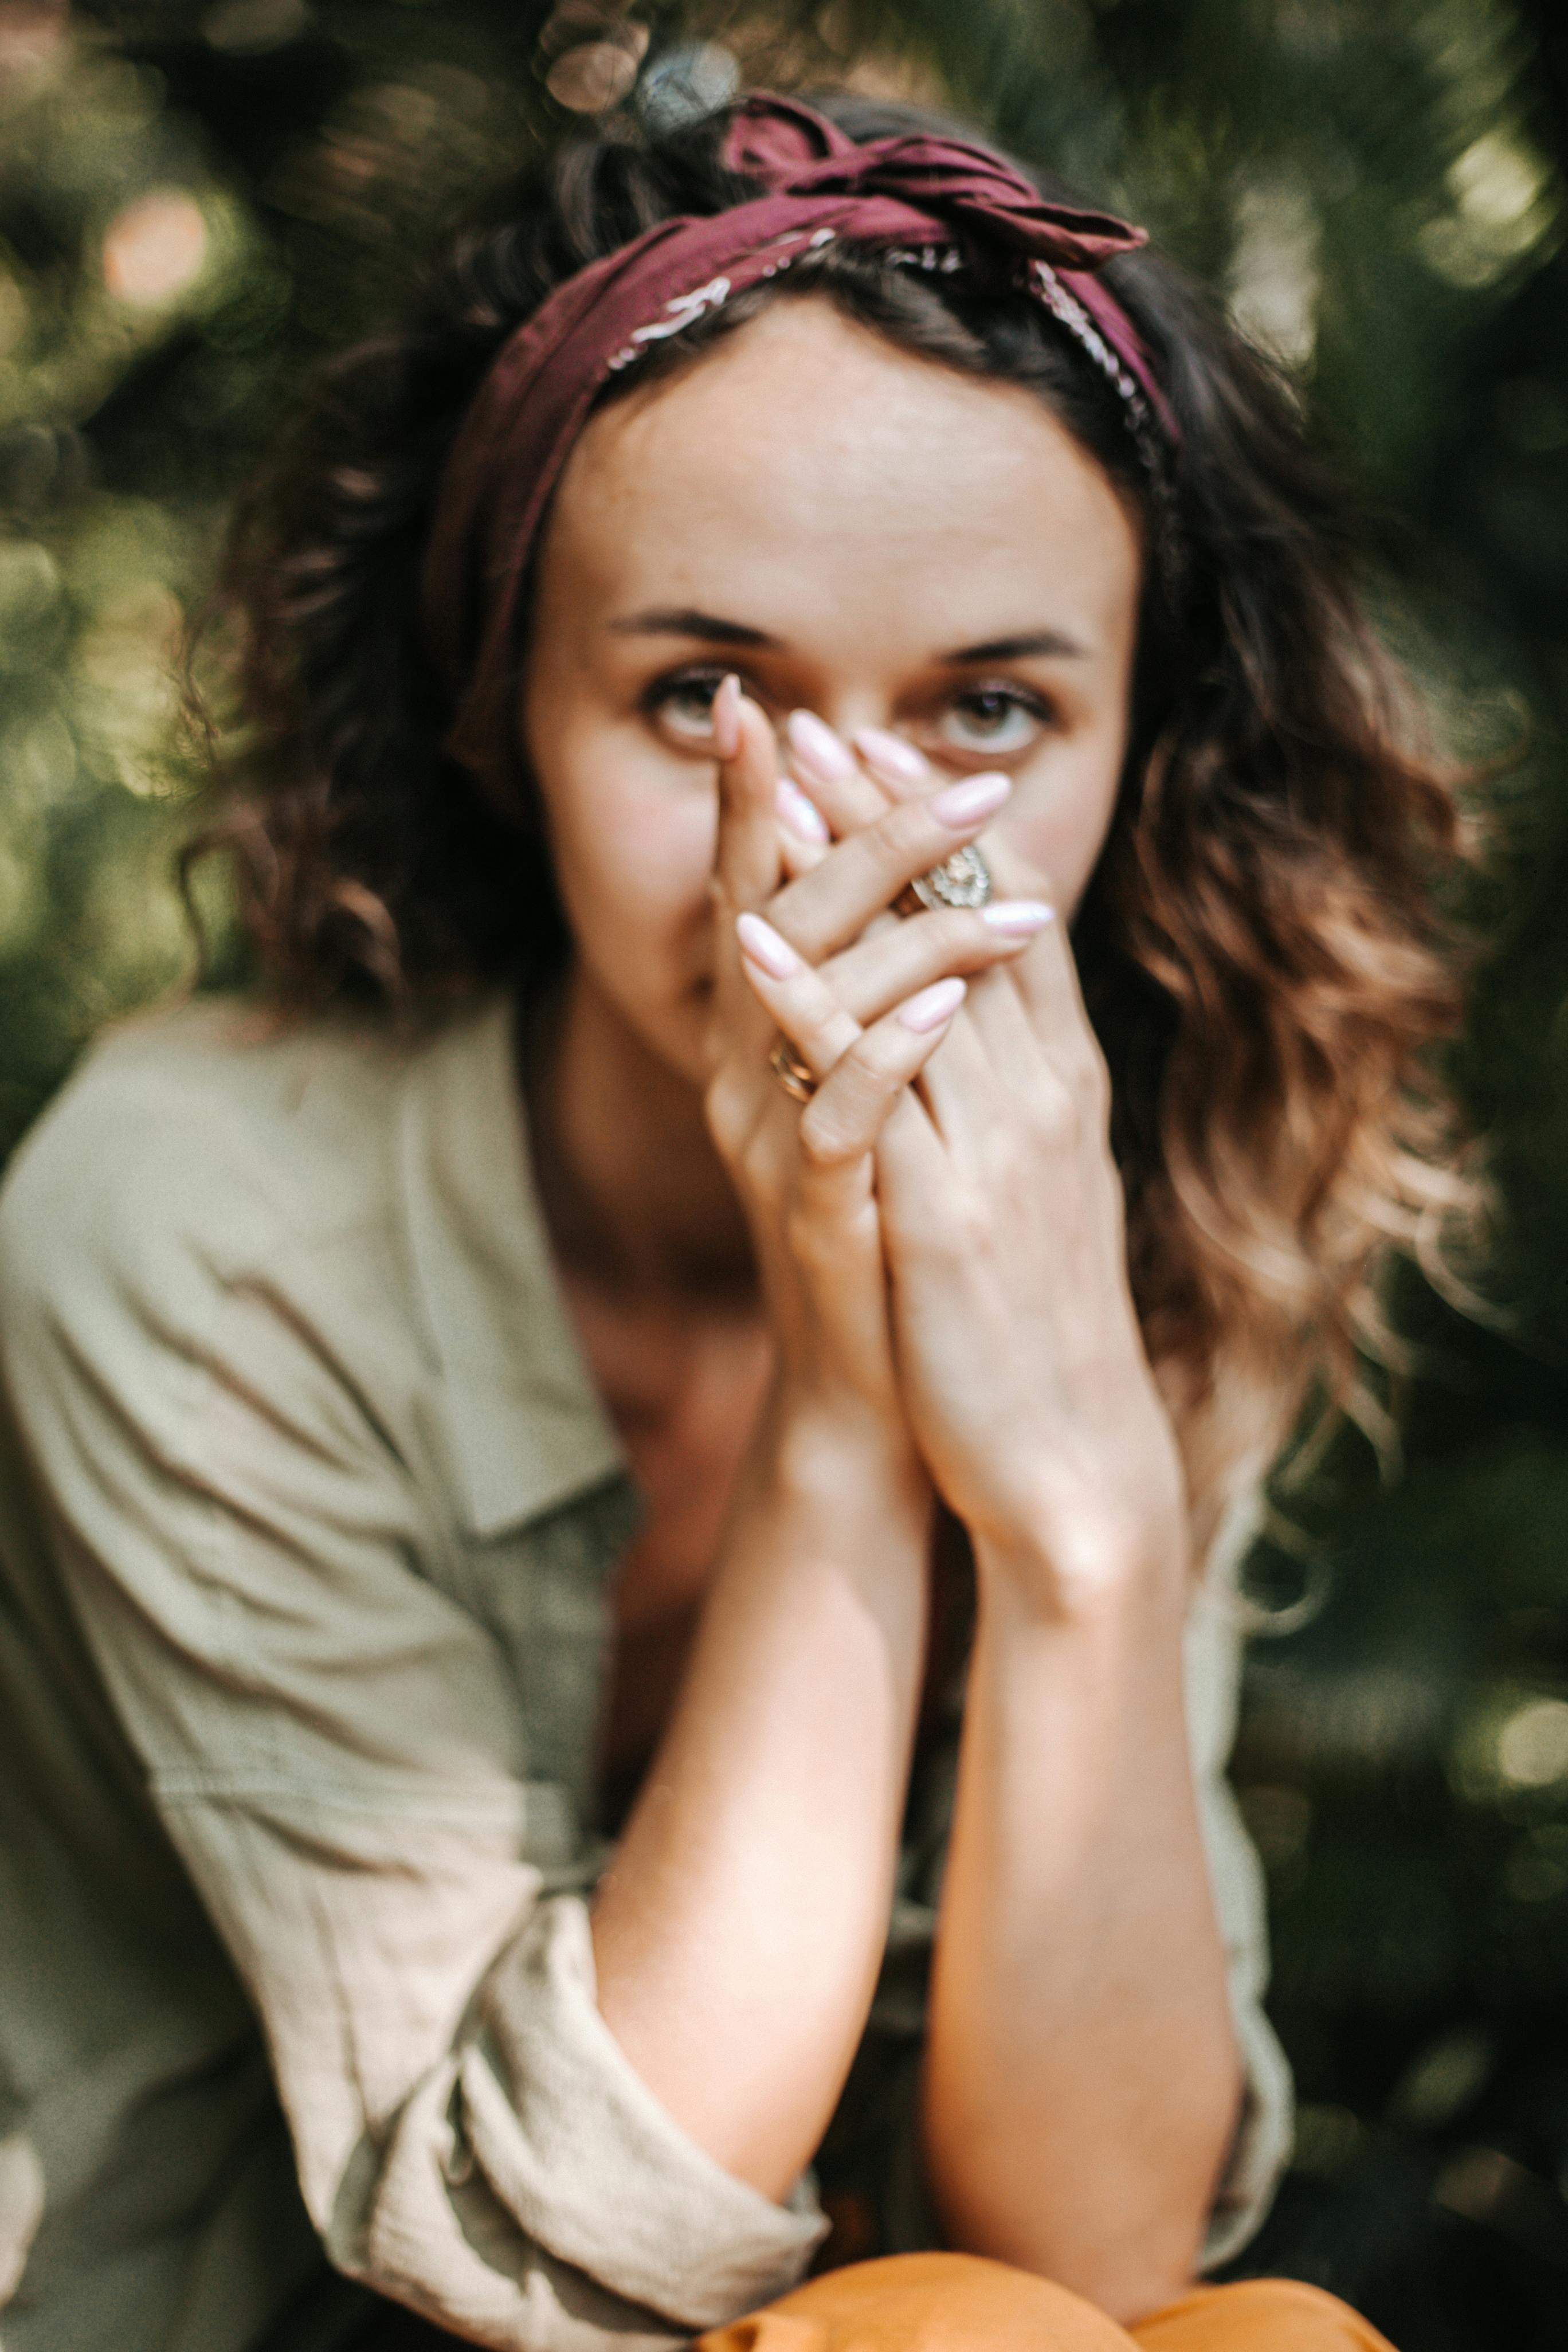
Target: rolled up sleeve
point(473, 2144)
point(543, 2122)
point(1260, 2148)
point(335, 1745)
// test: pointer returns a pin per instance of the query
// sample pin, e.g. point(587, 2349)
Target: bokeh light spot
point(1495, 180)
point(575, 22)
point(249, 28)
point(688, 82)
point(154, 248)
point(31, 34)
point(1274, 273)
point(591, 79)
point(1533, 1744)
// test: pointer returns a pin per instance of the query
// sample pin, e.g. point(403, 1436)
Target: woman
point(414, 1850)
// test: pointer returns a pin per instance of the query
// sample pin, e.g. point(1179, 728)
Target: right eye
point(683, 705)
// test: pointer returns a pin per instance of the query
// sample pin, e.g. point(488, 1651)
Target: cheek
point(632, 837)
point(1057, 821)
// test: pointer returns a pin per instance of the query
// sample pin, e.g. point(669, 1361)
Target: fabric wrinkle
point(333, 1686)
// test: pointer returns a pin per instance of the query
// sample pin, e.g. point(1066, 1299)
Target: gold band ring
point(796, 1079)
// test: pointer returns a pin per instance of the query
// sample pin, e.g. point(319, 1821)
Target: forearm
point(1082, 2079)
point(738, 1936)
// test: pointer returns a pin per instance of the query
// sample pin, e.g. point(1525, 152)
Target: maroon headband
point(915, 191)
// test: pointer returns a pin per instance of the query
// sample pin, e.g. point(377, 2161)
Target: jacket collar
point(526, 1431)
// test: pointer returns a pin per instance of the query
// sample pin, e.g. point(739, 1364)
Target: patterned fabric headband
point(932, 200)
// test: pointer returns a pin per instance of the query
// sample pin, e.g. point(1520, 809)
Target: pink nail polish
point(726, 717)
point(890, 760)
point(763, 945)
point(1017, 919)
point(932, 1006)
point(798, 813)
point(970, 801)
point(818, 750)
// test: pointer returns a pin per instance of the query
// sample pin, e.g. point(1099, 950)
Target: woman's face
point(859, 533)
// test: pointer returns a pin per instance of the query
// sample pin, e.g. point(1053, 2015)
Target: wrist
point(1088, 1574)
point(842, 1457)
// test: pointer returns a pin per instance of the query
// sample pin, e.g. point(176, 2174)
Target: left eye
point(990, 720)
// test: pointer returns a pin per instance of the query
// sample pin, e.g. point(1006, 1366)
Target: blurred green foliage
point(198, 201)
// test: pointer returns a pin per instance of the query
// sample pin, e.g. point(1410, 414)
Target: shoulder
point(201, 1143)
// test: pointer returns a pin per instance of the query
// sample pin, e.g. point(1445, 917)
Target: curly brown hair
point(1261, 947)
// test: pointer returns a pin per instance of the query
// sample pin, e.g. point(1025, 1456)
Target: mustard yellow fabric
point(956, 2303)
point(308, 1510)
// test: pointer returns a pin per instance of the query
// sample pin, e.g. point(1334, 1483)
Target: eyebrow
point(685, 621)
point(1052, 643)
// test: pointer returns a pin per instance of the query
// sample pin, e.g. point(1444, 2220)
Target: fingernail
point(971, 799)
point(890, 760)
point(765, 945)
point(818, 748)
point(726, 717)
point(799, 814)
point(1017, 918)
point(932, 1006)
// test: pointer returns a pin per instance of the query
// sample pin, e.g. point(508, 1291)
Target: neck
point(634, 1197)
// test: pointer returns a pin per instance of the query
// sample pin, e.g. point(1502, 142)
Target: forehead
point(806, 451)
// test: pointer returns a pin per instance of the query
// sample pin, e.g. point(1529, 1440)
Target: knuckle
point(867, 1076)
point(1052, 1116)
point(1012, 1153)
point(953, 932)
point(899, 843)
point(953, 1234)
point(823, 1143)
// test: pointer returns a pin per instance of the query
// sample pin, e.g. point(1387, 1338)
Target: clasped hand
point(939, 1228)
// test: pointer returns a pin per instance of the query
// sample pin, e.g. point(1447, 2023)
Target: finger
point(1045, 980)
point(746, 858)
point(862, 875)
point(959, 1090)
point(864, 1072)
point(804, 837)
point(891, 961)
point(1002, 1022)
point(1048, 985)
point(1018, 1090)
point(800, 1000)
point(832, 776)
point(915, 1172)
point(1048, 976)
point(863, 1092)
point(747, 866)
point(901, 771)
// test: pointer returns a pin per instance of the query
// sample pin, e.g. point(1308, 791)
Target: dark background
point(197, 202)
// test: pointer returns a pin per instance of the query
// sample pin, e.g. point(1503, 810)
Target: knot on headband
point(796, 151)
point(921, 195)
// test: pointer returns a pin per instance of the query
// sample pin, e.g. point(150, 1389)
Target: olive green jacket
point(307, 1510)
